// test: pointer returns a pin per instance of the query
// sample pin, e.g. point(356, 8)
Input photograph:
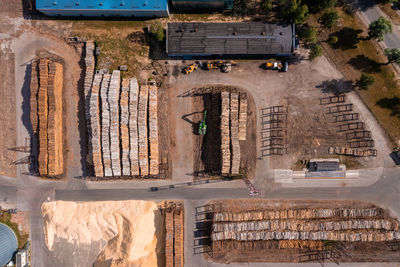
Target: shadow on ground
point(336, 86)
point(365, 64)
point(393, 104)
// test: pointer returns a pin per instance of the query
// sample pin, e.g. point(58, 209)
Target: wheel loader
point(189, 69)
point(276, 65)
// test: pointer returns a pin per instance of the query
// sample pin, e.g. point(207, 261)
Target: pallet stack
point(225, 135)
point(105, 125)
point(242, 117)
point(153, 130)
point(234, 129)
point(46, 115)
point(142, 128)
point(124, 105)
point(133, 126)
point(95, 126)
point(127, 128)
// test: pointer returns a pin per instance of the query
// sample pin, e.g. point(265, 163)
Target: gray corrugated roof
point(8, 244)
point(248, 38)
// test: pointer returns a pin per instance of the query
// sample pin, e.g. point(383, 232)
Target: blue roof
point(8, 244)
point(102, 4)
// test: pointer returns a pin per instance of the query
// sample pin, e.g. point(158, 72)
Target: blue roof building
point(107, 8)
point(8, 244)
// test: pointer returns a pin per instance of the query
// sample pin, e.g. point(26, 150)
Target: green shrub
point(333, 39)
point(329, 19)
point(316, 51)
point(365, 81)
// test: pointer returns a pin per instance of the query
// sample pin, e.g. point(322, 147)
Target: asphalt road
point(371, 12)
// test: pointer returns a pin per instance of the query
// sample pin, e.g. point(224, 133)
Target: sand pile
point(127, 227)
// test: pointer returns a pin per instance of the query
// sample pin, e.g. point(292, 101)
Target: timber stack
point(174, 237)
point(46, 115)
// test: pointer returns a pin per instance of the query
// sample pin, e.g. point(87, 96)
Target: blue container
point(108, 8)
point(8, 244)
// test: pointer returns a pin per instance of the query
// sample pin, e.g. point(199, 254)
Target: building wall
point(105, 13)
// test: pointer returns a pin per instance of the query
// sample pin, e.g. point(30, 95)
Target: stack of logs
point(127, 128)
point(46, 115)
point(341, 224)
point(174, 242)
point(233, 129)
point(89, 70)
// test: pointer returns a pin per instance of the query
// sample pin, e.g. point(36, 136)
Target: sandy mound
point(128, 228)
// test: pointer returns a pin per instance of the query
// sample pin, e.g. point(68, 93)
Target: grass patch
point(21, 237)
point(364, 55)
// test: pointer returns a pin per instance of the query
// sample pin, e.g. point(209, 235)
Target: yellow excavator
point(224, 66)
point(189, 69)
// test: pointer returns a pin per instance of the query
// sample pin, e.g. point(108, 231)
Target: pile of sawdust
point(128, 228)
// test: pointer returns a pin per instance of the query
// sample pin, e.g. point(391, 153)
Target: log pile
point(127, 128)
point(225, 135)
point(153, 130)
point(89, 71)
point(46, 115)
point(133, 126)
point(95, 126)
point(243, 117)
point(142, 130)
point(340, 224)
point(124, 104)
point(174, 237)
point(234, 127)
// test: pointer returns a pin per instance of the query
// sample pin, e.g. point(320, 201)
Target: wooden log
point(89, 72)
point(142, 131)
point(34, 88)
point(43, 114)
point(124, 114)
point(242, 117)
point(153, 131)
point(169, 239)
point(96, 126)
point(105, 125)
point(178, 238)
point(234, 130)
point(113, 99)
point(225, 134)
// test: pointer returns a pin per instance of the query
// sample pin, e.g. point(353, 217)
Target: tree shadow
point(393, 104)
point(336, 87)
point(347, 38)
point(365, 64)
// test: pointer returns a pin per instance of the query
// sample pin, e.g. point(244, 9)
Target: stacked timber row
point(233, 129)
point(46, 115)
point(243, 117)
point(225, 135)
point(89, 71)
point(306, 224)
point(124, 127)
point(174, 238)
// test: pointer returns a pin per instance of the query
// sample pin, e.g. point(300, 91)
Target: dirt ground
point(269, 251)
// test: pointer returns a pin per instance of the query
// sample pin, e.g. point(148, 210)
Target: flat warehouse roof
point(247, 38)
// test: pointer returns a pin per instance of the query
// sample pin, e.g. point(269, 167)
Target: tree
point(309, 35)
point(157, 31)
point(328, 19)
point(385, 1)
point(316, 51)
point(378, 28)
point(267, 5)
point(293, 11)
point(365, 81)
point(393, 55)
point(316, 6)
point(332, 39)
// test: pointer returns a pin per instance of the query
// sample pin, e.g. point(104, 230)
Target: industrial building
point(196, 5)
point(245, 38)
point(8, 244)
point(106, 8)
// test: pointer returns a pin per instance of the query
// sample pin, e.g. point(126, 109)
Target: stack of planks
point(225, 135)
point(234, 127)
point(242, 117)
point(46, 115)
point(89, 71)
point(174, 237)
point(125, 135)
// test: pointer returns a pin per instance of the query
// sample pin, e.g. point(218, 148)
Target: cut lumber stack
point(54, 120)
point(34, 97)
point(153, 130)
point(242, 117)
point(174, 236)
point(105, 125)
point(113, 99)
point(95, 126)
point(133, 126)
point(42, 113)
point(178, 238)
point(47, 114)
point(225, 135)
point(169, 239)
point(89, 71)
point(124, 105)
point(234, 127)
point(142, 128)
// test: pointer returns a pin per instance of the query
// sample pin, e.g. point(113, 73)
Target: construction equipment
point(227, 66)
point(224, 66)
point(203, 125)
point(189, 69)
point(276, 65)
point(212, 65)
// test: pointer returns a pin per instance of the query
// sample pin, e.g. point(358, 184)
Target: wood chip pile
point(341, 224)
point(233, 129)
point(124, 127)
point(174, 237)
point(46, 115)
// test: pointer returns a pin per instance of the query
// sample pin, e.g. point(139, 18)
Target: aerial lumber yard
point(195, 133)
